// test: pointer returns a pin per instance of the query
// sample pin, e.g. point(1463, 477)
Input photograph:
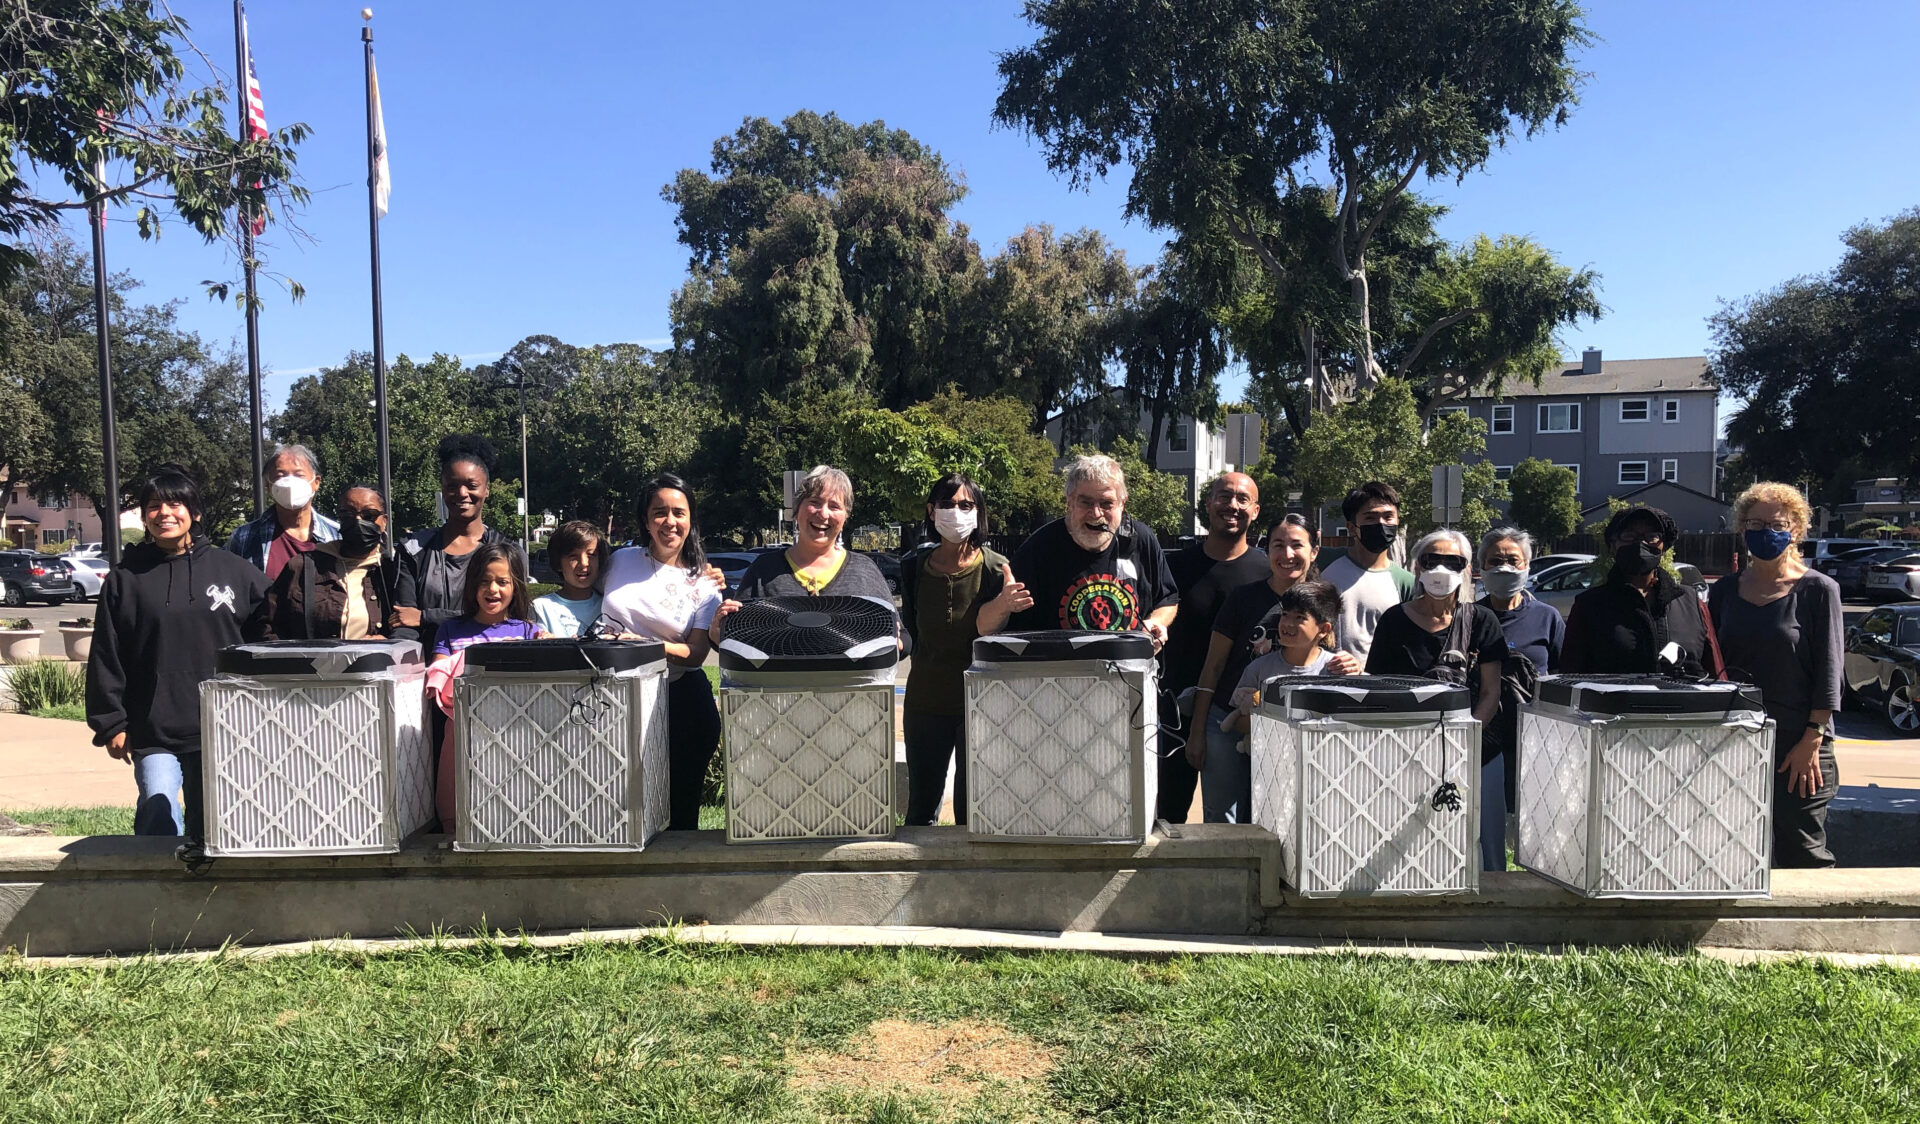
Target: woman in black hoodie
point(167, 609)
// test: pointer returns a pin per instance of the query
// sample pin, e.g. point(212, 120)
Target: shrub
point(47, 684)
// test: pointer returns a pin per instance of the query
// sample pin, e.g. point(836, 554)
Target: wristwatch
point(1819, 727)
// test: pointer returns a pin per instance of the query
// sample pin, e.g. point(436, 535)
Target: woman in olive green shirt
point(943, 585)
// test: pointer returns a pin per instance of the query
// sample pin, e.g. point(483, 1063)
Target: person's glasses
point(1443, 562)
point(1777, 526)
point(1647, 538)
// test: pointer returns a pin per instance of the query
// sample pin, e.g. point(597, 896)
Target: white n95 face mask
point(953, 524)
point(1439, 583)
point(292, 492)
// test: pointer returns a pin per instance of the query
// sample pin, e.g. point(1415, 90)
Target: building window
point(51, 538)
point(1633, 472)
point(1575, 469)
point(53, 501)
point(1670, 470)
point(1670, 410)
point(1636, 409)
point(1177, 437)
point(1503, 472)
point(1563, 417)
point(1502, 419)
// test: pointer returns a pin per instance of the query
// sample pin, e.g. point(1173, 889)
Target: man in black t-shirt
point(1095, 568)
point(1204, 574)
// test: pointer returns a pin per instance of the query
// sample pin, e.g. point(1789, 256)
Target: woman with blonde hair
point(1780, 624)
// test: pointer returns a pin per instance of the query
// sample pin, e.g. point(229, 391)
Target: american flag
point(256, 110)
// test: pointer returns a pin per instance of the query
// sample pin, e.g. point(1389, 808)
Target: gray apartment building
point(1621, 425)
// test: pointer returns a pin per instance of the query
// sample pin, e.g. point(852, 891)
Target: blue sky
point(1718, 150)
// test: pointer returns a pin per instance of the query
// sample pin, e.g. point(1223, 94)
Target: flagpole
point(110, 489)
point(245, 222)
point(373, 235)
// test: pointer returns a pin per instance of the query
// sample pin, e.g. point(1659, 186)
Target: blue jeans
point(1226, 777)
point(1493, 814)
point(170, 793)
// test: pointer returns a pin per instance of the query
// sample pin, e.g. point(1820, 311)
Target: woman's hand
point(1013, 596)
point(1802, 766)
point(715, 575)
point(404, 617)
point(1343, 663)
point(542, 634)
point(1196, 748)
point(727, 608)
point(117, 747)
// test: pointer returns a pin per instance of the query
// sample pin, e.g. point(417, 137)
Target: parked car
point(1548, 561)
point(1883, 663)
point(1849, 570)
point(1895, 579)
point(88, 574)
point(1813, 550)
point(87, 550)
point(733, 563)
point(889, 565)
point(29, 576)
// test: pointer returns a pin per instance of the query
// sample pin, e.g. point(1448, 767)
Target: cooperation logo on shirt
point(1100, 602)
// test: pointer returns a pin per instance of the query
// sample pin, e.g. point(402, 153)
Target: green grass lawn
point(662, 1031)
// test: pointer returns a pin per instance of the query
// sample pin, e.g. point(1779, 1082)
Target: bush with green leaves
point(47, 684)
point(1546, 500)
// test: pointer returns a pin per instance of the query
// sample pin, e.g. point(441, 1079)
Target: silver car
point(88, 575)
point(1896, 579)
point(1565, 583)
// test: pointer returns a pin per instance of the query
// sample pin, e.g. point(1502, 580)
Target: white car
point(86, 550)
point(88, 574)
point(1894, 579)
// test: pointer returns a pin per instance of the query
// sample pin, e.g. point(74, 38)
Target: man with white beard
point(1095, 568)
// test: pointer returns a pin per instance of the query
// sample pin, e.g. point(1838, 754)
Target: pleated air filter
point(314, 747)
point(1062, 728)
point(1371, 784)
point(807, 714)
point(1646, 786)
point(563, 746)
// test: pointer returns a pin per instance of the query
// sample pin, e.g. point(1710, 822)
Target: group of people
point(1224, 614)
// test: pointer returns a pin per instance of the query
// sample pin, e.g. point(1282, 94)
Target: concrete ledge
point(125, 895)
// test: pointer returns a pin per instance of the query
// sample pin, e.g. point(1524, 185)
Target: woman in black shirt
point(1418, 637)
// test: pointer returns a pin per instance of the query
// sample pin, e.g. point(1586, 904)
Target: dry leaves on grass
point(948, 1062)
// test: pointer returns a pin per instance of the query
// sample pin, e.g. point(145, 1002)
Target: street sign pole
point(1448, 505)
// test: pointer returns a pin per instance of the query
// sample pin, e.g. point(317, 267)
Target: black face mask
point(1636, 560)
point(360, 537)
point(1378, 537)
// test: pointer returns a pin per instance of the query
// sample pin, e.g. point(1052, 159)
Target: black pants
point(933, 740)
point(1800, 822)
point(1178, 778)
point(693, 733)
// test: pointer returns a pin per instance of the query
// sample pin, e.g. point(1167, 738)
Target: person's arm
point(1012, 598)
point(1711, 663)
point(406, 590)
point(106, 675)
point(276, 609)
point(1573, 649)
point(1826, 646)
point(1489, 704)
point(1556, 637)
point(1219, 647)
point(1159, 621)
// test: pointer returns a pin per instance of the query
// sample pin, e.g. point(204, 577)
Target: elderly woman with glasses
point(1535, 631)
point(1439, 634)
point(1779, 625)
point(1640, 620)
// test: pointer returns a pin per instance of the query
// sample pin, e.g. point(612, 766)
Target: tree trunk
point(1153, 434)
point(1368, 374)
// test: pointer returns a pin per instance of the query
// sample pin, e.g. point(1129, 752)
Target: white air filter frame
point(809, 761)
point(560, 761)
point(1062, 751)
point(1352, 802)
point(1646, 807)
point(314, 764)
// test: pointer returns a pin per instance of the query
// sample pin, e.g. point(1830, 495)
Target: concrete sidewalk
point(52, 762)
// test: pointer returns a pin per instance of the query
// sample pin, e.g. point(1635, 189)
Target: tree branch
point(1243, 232)
point(1386, 204)
point(1426, 337)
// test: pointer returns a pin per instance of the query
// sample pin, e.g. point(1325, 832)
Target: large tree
point(177, 400)
point(1546, 501)
point(1296, 129)
point(1829, 366)
point(92, 77)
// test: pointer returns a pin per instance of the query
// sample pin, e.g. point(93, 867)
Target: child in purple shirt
point(494, 607)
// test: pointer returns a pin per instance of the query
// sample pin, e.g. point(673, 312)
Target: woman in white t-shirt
point(663, 590)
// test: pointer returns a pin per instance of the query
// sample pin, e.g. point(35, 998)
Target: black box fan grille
point(810, 627)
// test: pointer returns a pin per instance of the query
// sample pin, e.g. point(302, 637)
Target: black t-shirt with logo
point(1107, 591)
point(1204, 584)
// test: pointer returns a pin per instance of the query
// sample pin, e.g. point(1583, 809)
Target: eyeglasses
point(1778, 526)
point(1648, 538)
point(1452, 562)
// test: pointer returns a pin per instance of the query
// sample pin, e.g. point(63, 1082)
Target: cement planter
point(19, 645)
point(78, 639)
